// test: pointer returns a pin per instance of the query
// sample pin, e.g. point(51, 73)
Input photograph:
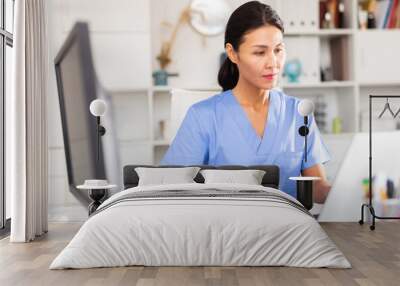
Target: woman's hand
point(321, 190)
point(322, 186)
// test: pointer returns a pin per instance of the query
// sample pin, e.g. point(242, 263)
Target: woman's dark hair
point(245, 18)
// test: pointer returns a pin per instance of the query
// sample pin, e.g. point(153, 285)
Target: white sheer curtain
point(27, 123)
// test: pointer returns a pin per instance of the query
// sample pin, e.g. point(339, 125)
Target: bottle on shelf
point(328, 21)
point(332, 14)
point(371, 23)
point(341, 16)
point(362, 18)
point(336, 125)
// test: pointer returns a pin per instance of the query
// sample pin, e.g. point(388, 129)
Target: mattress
point(201, 225)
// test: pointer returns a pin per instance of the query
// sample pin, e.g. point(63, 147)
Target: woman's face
point(260, 57)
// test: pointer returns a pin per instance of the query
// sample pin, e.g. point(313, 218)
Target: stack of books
point(387, 12)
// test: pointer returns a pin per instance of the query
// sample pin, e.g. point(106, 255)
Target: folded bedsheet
point(201, 224)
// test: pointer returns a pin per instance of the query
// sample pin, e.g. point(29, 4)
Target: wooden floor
point(374, 255)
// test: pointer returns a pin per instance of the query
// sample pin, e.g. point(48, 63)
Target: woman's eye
point(259, 53)
point(279, 50)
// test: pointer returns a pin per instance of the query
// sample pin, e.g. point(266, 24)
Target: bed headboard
point(270, 179)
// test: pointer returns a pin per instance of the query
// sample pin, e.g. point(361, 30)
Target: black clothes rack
point(369, 205)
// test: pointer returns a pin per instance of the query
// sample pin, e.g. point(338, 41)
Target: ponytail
point(228, 75)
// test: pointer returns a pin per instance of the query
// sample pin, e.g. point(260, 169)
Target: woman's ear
point(231, 53)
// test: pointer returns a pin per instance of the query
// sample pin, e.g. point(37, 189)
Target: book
point(397, 23)
point(339, 47)
point(381, 9)
point(392, 15)
point(322, 10)
point(385, 22)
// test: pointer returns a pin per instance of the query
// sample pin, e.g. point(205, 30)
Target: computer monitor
point(77, 88)
point(347, 194)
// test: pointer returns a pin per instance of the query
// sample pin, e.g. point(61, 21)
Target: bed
point(201, 224)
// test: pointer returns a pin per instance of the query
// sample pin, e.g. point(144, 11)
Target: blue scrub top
point(217, 131)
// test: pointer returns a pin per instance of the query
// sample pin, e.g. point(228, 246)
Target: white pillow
point(163, 176)
point(249, 177)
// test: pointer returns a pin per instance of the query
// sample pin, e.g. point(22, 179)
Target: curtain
point(26, 122)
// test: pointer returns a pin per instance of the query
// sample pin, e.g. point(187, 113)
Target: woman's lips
point(269, 76)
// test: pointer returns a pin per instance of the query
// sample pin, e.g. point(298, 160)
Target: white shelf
point(379, 84)
point(169, 88)
point(371, 31)
point(321, 32)
point(161, 142)
point(325, 84)
point(160, 88)
point(128, 91)
point(135, 141)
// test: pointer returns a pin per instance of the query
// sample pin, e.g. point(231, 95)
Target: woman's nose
point(270, 60)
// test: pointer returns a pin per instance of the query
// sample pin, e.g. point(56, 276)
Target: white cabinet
point(378, 59)
point(300, 48)
point(139, 117)
point(299, 15)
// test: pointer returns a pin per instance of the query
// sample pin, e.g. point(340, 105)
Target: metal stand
point(100, 132)
point(304, 191)
point(303, 131)
point(369, 205)
point(97, 195)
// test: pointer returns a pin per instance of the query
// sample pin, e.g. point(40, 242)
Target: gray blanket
point(206, 193)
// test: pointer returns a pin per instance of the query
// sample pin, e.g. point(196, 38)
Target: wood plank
point(375, 257)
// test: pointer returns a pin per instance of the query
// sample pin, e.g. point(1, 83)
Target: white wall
point(120, 39)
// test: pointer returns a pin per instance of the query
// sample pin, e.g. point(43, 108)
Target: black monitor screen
point(77, 87)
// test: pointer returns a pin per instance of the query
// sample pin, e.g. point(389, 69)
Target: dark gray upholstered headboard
point(270, 179)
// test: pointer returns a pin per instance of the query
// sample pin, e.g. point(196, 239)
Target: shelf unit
point(321, 32)
point(345, 98)
point(326, 84)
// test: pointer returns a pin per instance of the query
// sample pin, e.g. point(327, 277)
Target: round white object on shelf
point(209, 17)
point(305, 107)
point(98, 107)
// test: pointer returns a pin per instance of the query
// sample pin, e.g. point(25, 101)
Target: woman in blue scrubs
point(250, 122)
